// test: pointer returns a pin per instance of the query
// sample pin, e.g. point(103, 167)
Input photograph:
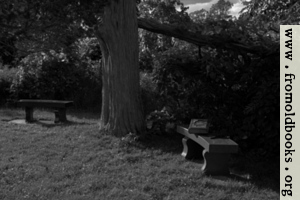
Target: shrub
point(161, 122)
point(149, 93)
point(6, 78)
point(54, 76)
point(240, 100)
point(179, 80)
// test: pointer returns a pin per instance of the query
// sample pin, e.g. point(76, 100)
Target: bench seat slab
point(44, 103)
point(59, 106)
point(210, 142)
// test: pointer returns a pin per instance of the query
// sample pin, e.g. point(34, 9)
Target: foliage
point(237, 91)
point(199, 16)
point(37, 26)
point(50, 27)
point(7, 75)
point(149, 93)
point(174, 82)
point(160, 122)
point(7, 50)
point(170, 11)
point(220, 10)
point(272, 12)
point(231, 79)
point(234, 97)
point(53, 76)
point(152, 44)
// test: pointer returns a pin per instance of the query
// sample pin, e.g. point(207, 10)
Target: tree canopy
point(43, 21)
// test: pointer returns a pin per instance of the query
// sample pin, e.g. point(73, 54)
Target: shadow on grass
point(18, 113)
point(168, 143)
point(44, 122)
point(7, 114)
point(85, 114)
point(262, 174)
point(51, 124)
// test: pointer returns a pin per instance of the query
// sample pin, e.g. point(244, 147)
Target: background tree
point(199, 16)
point(220, 10)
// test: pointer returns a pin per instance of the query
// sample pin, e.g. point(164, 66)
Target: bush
point(240, 100)
point(179, 79)
point(6, 78)
point(54, 76)
point(149, 93)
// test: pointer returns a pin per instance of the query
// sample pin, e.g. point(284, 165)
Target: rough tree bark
point(121, 106)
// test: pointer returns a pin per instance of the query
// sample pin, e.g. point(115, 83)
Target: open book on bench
point(198, 126)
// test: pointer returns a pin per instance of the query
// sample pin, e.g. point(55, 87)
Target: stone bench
point(215, 151)
point(59, 107)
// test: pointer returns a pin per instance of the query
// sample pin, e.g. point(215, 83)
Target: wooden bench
point(60, 108)
point(216, 151)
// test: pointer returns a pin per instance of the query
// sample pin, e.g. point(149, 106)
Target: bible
point(198, 126)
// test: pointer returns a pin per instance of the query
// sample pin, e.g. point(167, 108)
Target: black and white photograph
point(149, 99)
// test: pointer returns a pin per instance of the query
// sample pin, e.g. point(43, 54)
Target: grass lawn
point(75, 161)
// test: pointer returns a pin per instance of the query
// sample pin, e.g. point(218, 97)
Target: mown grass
point(76, 161)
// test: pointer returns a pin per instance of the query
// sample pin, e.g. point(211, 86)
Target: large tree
point(115, 25)
point(118, 37)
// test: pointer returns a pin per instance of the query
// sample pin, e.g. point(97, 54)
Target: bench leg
point(60, 115)
point(215, 163)
point(191, 149)
point(29, 114)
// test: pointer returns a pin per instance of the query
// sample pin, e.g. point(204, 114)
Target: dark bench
point(216, 151)
point(60, 108)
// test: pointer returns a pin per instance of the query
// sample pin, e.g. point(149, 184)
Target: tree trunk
point(121, 102)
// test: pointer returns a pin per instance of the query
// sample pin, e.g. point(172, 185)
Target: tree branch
point(198, 39)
